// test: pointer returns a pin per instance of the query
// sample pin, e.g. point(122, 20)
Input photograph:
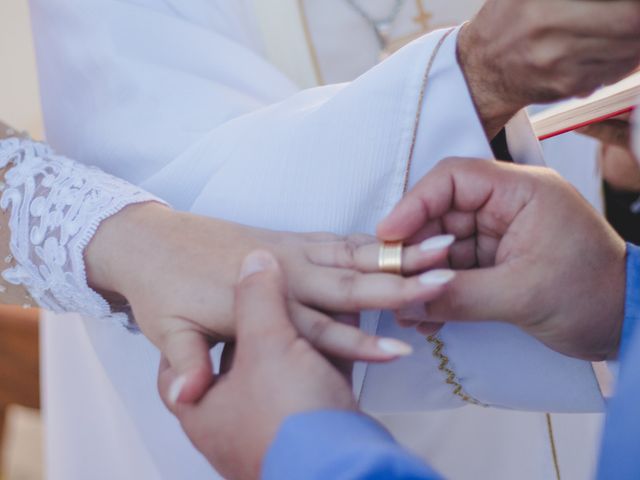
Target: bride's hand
point(178, 273)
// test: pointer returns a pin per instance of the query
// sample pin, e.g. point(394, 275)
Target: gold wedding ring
point(390, 257)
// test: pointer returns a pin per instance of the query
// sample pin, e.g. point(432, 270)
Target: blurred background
point(19, 99)
point(20, 426)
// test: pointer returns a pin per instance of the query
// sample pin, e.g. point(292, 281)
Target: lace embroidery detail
point(56, 207)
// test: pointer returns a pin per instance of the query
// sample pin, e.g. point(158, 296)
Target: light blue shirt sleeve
point(632, 304)
point(619, 457)
point(339, 445)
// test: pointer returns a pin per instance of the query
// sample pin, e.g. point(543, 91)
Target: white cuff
point(56, 207)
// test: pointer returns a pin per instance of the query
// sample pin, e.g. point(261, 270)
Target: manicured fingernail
point(395, 347)
point(437, 243)
point(176, 389)
point(256, 262)
point(437, 277)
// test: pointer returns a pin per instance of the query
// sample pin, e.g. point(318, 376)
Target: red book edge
point(587, 123)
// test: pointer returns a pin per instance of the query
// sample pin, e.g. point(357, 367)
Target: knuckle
point(347, 285)
point(360, 239)
point(553, 178)
point(407, 296)
point(543, 57)
point(317, 331)
point(360, 342)
point(321, 237)
point(451, 165)
point(347, 252)
point(569, 85)
point(543, 179)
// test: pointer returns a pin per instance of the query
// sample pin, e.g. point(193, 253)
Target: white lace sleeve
point(56, 205)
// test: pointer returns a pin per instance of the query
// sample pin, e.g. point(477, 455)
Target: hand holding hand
point(178, 271)
point(534, 253)
point(276, 373)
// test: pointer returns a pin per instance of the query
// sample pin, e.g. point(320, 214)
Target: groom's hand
point(518, 52)
point(532, 253)
point(275, 373)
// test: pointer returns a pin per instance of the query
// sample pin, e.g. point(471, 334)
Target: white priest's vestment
point(184, 98)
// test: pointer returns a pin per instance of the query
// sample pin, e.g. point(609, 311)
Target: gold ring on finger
point(390, 257)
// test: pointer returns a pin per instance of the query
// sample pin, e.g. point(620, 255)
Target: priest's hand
point(533, 253)
point(619, 166)
point(178, 271)
point(519, 52)
point(275, 373)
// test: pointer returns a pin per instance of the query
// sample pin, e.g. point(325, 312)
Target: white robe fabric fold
point(189, 109)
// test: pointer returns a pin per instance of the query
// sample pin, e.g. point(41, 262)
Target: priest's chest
point(347, 37)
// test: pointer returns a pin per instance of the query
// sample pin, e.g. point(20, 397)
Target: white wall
point(19, 100)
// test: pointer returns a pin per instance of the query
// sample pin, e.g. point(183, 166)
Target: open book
point(607, 102)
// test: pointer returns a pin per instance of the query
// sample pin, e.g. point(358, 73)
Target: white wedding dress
point(178, 98)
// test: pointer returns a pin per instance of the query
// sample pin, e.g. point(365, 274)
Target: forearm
point(339, 445)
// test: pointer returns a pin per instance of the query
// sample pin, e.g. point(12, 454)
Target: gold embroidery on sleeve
point(438, 345)
point(451, 377)
point(423, 90)
point(552, 444)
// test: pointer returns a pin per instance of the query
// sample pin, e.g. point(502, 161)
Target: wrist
point(490, 96)
point(150, 242)
point(117, 251)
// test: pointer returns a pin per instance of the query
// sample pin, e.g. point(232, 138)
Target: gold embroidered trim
point(552, 444)
point(310, 44)
point(438, 344)
point(423, 90)
point(451, 377)
point(416, 124)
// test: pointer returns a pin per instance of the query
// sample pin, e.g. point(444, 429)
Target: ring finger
point(364, 257)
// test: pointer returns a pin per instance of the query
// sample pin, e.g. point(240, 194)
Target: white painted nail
point(437, 243)
point(176, 389)
point(256, 262)
point(437, 277)
point(395, 347)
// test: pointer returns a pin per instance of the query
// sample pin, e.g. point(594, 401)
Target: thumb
point(487, 294)
point(262, 318)
point(187, 352)
point(166, 378)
